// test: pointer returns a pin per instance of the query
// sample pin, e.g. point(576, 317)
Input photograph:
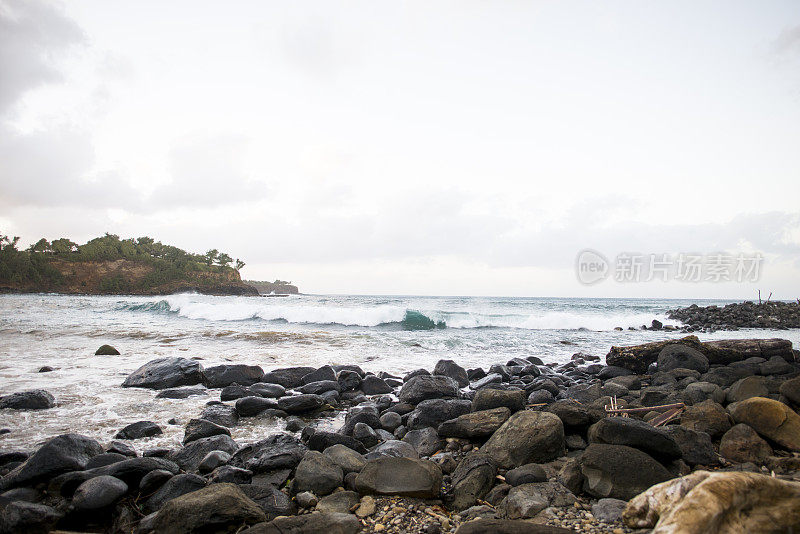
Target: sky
point(421, 148)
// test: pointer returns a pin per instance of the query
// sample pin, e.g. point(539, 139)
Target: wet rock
point(346, 458)
point(452, 370)
point(45, 369)
point(526, 437)
point(708, 417)
point(472, 480)
point(294, 424)
point(584, 393)
point(213, 460)
point(164, 373)
point(104, 459)
point(400, 476)
point(172, 489)
point(752, 386)
point(270, 499)
point(181, 393)
point(325, 373)
point(99, 492)
point(390, 421)
point(317, 473)
point(270, 391)
point(575, 415)
point(433, 412)
point(279, 451)
point(742, 444)
point(697, 392)
point(120, 447)
point(526, 474)
point(634, 433)
point(36, 399)
point(476, 424)
point(68, 452)
point(372, 385)
point(228, 473)
point(300, 403)
point(393, 448)
point(348, 380)
point(233, 392)
point(220, 376)
point(320, 387)
point(314, 523)
point(216, 508)
point(252, 406)
point(619, 471)
point(425, 441)
point(613, 371)
point(630, 382)
point(220, 414)
point(489, 398)
point(338, 502)
point(717, 502)
point(771, 419)
point(540, 396)
point(696, 447)
point(200, 428)
point(133, 470)
point(320, 440)
point(138, 430)
point(288, 377)
point(26, 517)
point(365, 434)
point(424, 387)
point(153, 480)
point(679, 356)
point(486, 381)
point(106, 350)
point(527, 500)
point(190, 456)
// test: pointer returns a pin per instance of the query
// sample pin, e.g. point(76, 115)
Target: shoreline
point(451, 418)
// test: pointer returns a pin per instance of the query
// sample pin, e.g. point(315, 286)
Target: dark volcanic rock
point(172, 489)
point(36, 399)
point(301, 403)
point(508, 526)
point(278, 451)
point(771, 419)
point(99, 492)
point(200, 428)
point(743, 444)
point(251, 406)
point(68, 452)
point(106, 350)
point(314, 523)
point(400, 476)
point(220, 414)
point(423, 387)
point(267, 390)
point(372, 385)
point(138, 430)
point(189, 457)
point(349, 460)
point(321, 440)
point(433, 412)
point(453, 370)
point(618, 471)
point(104, 459)
point(220, 376)
point(708, 417)
point(526, 437)
point(233, 392)
point(679, 356)
point(27, 518)
point(636, 434)
point(288, 377)
point(425, 441)
point(217, 508)
point(488, 398)
point(133, 470)
point(181, 393)
point(574, 414)
point(526, 474)
point(165, 373)
point(696, 447)
point(472, 479)
point(326, 372)
point(476, 424)
point(320, 387)
point(270, 499)
point(318, 474)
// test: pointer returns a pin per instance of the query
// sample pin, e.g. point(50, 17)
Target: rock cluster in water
point(772, 315)
point(518, 447)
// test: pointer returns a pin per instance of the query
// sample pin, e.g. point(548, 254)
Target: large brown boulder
point(727, 503)
point(742, 444)
point(407, 477)
point(475, 424)
point(770, 418)
point(708, 417)
point(215, 508)
point(526, 437)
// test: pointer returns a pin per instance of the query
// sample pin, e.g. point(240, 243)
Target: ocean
point(379, 333)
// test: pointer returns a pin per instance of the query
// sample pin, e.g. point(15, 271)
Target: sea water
point(379, 333)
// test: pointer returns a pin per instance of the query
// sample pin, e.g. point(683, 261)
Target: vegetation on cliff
point(278, 287)
point(111, 265)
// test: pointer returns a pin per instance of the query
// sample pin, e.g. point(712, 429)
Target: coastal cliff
point(278, 287)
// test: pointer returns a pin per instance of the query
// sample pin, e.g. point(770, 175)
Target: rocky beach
point(677, 435)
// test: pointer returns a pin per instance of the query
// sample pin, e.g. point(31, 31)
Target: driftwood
point(645, 409)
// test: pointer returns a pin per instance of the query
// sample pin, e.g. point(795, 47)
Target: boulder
point(696, 447)
point(220, 376)
point(301, 403)
point(252, 406)
point(636, 434)
point(489, 398)
point(36, 399)
point(181, 393)
point(424, 387)
point(372, 385)
point(339, 502)
point(200, 428)
point(618, 471)
point(584, 393)
point(270, 499)
point(216, 508)
point(708, 417)
point(791, 390)
point(679, 356)
point(98, 493)
point(138, 430)
point(751, 386)
point(717, 502)
point(220, 414)
point(288, 377)
point(608, 510)
point(106, 350)
point(270, 391)
point(394, 448)
point(190, 456)
point(278, 451)
point(172, 489)
point(348, 380)
point(508, 526)
point(486, 381)
point(724, 377)
point(480, 424)
point(472, 479)
point(526, 437)
point(154, 480)
point(425, 441)
point(319, 387)
point(365, 434)
point(233, 392)
point(68, 452)
point(321, 440)
point(406, 477)
point(433, 412)
point(349, 460)
point(27, 518)
point(102, 460)
point(527, 500)
point(164, 373)
point(314, 523)
point(133, 470)
point(213, 460)
point(771, 419)
point(776, 366)
point(526, 474)
point(326, 373)
point(742, 444)
point(697, 392)
point(390, 421)
point(575, 415)
point(451, 369)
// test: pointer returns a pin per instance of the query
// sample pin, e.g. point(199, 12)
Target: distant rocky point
point(278, 287)
point(773, 315)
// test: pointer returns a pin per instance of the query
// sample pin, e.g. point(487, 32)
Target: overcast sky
point(461, 147)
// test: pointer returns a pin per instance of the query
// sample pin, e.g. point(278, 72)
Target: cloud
point(32, 34)
point(788, 41)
